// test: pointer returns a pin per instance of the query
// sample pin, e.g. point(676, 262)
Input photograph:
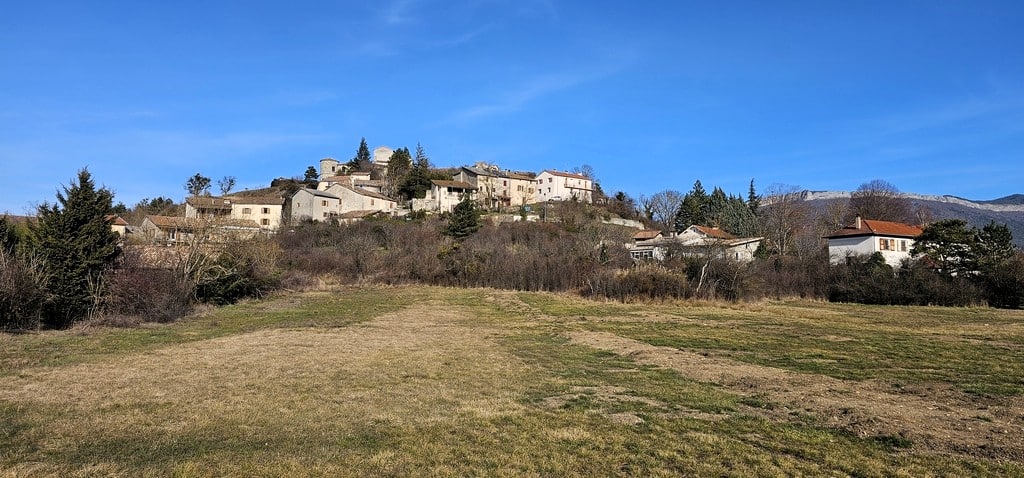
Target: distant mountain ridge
point(1007, 210)
point(1011, 203)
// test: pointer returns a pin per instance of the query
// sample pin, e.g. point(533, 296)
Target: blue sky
point(653, 95)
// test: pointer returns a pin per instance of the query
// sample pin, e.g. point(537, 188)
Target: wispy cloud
point(957, 113)
point(459, 39)
point(398, 12)
point(517, 97)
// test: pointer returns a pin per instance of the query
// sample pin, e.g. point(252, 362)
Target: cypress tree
point(76, 245)
point(361, 162)
point(465, 219)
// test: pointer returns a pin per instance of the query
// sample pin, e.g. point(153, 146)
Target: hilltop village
point(345, 193)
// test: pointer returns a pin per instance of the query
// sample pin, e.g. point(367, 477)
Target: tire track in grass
point(929, 423)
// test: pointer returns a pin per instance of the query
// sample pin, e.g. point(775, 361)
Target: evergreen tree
point(311, 177)
point(398, 169)
point(465, 219)
point(693, 210)
point(75, 243)
point(421, 160)
point(8, 235)
point(361, 162)
point(417, 182)
point(993, 247)
point(949, 244)
point(737, 219)
point(716, 207)
point(753, 200)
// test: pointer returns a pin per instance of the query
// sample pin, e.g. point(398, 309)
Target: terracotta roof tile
point(870, 227)
point(646, 234)
point(565, 174)
point(714, 232)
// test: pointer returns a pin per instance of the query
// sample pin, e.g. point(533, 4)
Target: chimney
point(857, 222)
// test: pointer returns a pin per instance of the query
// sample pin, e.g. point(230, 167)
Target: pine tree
point(311, 177)
point(361, 162)
point(417, 182)
point(8, 236)
point(753, 200)
point(716, 207)
point(693, 210)
point(76, 245)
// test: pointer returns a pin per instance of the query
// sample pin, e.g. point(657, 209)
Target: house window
point(371, 202)
point(550, 179)
point(903, 246)
point(246, 210)
point(323, 203)
point(264, 222)
point(325, 213)
point(887, 244)
point(266, 210)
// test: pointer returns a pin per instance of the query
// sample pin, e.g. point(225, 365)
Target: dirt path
point(937, 420)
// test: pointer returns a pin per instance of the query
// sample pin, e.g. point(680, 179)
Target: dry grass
point(452, 382)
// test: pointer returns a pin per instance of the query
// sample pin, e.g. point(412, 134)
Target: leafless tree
point(880, 200)
point(663, 207)
point(226, 184)
point(784, 215)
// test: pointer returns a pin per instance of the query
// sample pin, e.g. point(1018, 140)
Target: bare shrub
point(649, 281)
point(22, 295)
point(139, 292)
point(787, 276)
point(523, 256)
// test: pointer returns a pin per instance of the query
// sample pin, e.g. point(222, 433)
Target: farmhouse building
point(313, 205)
point(561, 186)
point(865, 237)
point(695, 241)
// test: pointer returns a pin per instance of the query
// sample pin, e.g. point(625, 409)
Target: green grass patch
point(84, 344)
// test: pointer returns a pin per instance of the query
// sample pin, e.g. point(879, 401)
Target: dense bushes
point(22, 295)
point(870, 280)
point(137, 292)
point(574, 255)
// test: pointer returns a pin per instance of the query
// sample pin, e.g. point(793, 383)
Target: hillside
point(1008, 210)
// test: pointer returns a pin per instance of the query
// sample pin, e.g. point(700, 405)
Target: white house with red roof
point(893, 240)
point(694, 241)
point(561, 186)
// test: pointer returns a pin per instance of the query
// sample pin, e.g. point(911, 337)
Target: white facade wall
point(556, 187)
point(444, 199)
point(896, 248)
point(309, 206)
point(522, 191)
point(742, 252)
point(268, 216)
point(354, 200)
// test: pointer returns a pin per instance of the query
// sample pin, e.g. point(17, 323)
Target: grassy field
point(453, 382)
